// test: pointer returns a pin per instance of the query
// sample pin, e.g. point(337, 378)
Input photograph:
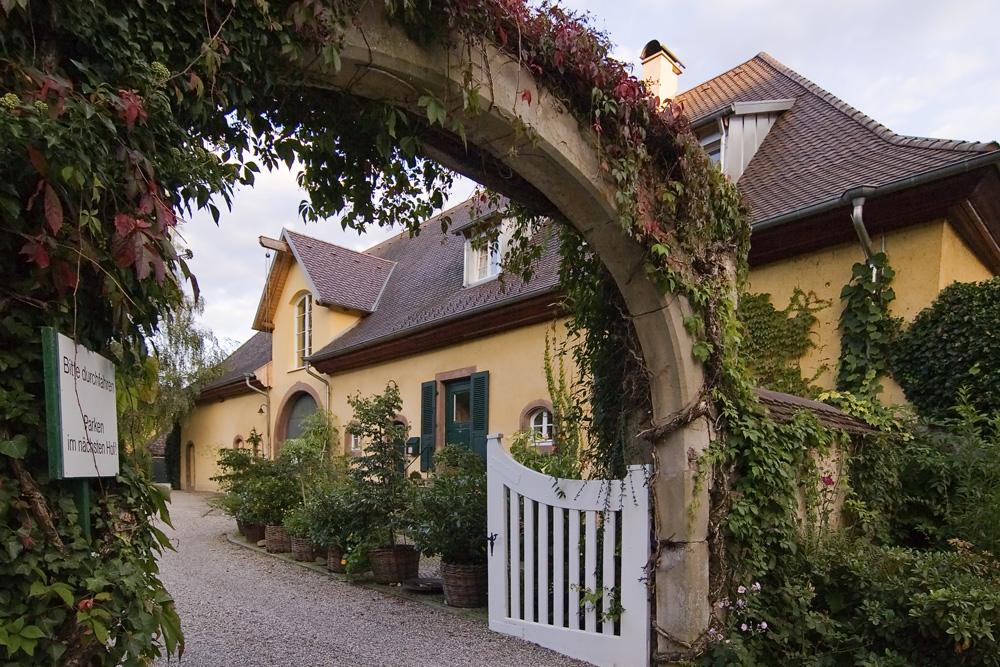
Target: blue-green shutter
point(428, 424)
point(480, 411)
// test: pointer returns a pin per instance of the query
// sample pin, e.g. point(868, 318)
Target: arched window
point(238, 442)
point(303, 329)
point(541, 423)
point(303, 406)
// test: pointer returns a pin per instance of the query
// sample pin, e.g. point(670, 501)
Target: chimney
point(660, 70)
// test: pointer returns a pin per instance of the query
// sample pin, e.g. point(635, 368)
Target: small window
point(303, 329)
point(541, 423)
point(355, 441)
point(238, 442)
point(484, 263)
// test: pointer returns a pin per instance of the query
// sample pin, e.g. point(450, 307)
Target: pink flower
point(743, 627)
point(763, 625)
point(828, 480)
point(756, 586)
point(741, 590)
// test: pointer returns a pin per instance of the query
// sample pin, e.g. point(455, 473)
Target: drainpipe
point(857, 197)
point(267, 408)
point(322, 379)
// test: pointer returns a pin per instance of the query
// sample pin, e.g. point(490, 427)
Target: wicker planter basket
point(335, 560)
point(395, 565)
point(464, 585)
point(240, 528)
point(302, 550)
point(253, 532)
point(277, 540)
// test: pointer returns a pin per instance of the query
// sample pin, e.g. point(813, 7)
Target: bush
point(950, 478)
point(449, 515)
point(950, 345)
point(855, 603)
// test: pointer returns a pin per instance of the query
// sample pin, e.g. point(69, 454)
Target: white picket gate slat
point(521, 575)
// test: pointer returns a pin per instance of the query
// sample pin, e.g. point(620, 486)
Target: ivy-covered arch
point(106, 127)
point(525, 131)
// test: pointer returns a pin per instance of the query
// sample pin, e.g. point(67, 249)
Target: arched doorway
point(300, 401)
point(302, 406)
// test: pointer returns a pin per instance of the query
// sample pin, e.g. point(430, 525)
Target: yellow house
point(826, 185)
point(428, 313)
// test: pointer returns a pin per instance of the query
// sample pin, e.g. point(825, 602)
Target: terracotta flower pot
point(465, 585)
point(394, 565)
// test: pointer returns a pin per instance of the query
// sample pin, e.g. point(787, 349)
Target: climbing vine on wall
point(867, 328)
point(775, 340)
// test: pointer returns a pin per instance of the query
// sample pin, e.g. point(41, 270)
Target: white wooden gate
point(566, 561)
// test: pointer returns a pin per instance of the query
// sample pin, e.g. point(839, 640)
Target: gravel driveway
point(242, 607)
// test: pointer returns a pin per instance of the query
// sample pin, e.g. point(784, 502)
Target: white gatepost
point(567, 561)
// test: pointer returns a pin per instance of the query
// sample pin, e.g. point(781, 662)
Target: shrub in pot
point(381, 488)
point(449, 519)
point(334, 517)
point(297, 526)
point(269, 496)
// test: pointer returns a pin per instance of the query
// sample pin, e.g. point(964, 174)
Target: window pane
point(462, 407)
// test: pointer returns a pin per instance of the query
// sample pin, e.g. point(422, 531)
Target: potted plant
point(381, 488)
point(449, 519)
point(237, 470)
point(297, 526)
point(270, 494)
point(334, 517)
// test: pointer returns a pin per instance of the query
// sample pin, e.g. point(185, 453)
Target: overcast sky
point(921, 68)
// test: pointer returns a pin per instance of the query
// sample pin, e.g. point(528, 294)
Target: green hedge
point(952, 344)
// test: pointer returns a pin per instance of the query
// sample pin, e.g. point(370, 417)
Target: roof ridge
point(339, 247)
point(869, 123)
point(426, 223)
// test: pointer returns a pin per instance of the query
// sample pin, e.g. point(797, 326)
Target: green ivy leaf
point(15, 448)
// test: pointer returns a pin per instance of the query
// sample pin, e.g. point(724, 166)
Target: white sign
point(85, 436)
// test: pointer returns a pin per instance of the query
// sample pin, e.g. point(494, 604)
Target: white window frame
point(303, 329)
point(482, 264)
point(355, 442)
point(547, 424)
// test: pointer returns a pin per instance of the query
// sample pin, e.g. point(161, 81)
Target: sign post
point(82, 416)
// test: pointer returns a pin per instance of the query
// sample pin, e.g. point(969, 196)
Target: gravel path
point(241, 607)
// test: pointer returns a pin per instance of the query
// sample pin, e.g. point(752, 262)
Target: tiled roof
point(340, 276)
point(782, 407)
point(247, 358)
point(425, 287)
point(819, 148)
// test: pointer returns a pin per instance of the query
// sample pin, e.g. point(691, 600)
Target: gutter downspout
point(857, 197)
point(267, 404)
point(329, 391)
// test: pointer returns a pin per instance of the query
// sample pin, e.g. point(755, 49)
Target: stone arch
point(556, 170)
point(285, 410)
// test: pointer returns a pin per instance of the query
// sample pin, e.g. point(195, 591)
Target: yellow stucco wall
point(926, 259)
point(514, 360)
point(213, 426)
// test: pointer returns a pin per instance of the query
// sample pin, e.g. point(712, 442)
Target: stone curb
point(433, 600)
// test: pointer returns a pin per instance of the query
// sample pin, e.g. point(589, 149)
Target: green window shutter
point(428, 424)
point(480, 411)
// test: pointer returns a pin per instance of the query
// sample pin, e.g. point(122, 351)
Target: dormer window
point(303, 329)
point(482, 257)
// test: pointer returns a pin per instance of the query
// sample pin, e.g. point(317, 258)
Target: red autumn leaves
point(144, 217)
